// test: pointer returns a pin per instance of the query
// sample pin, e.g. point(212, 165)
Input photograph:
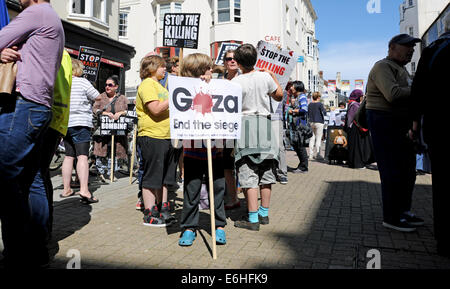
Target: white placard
point(280, 61)
point(201, 110)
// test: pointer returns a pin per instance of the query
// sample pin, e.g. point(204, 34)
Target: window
point(163, 9)
point(95, 9)
point(167, 8)
point(411, 31)
point(296, 30)
point(309, 48)
point(413, 67)
point(228, 11)
point(78, 7)
point(288, 20)
point(223, 10)
point(123, 24)
point(411, 2)
point(99, 10)
point(237, 10)
point(309, 79)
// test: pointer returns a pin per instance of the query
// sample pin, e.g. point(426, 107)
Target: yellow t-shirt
point(149, 125)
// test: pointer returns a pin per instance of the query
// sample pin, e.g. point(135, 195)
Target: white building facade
point(288, 23)
point(100, 16)
point(415, 18)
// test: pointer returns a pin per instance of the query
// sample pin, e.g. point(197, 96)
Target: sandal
point(220, 237)
point(187, 238)
point(87, 200)
point(66, 196)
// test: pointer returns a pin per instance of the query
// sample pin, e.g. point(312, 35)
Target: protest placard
point(181, 30)
point(91, 58)
point(224, 47)
point(113, 127)
point(200, 110)
point(280, 61)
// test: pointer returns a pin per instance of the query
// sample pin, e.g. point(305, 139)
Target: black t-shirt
point(316, 112)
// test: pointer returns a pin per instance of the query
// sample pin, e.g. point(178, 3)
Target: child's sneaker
point(246, 224)
point(263, 220)
point(153, 218)
point(140, 205)
point(165, 214)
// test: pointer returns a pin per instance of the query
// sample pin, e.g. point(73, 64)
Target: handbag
point(306, 133)
point(360, 119)
point(8, 72)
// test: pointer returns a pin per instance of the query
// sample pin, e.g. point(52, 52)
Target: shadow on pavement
point(348, 223)
point(69, 216)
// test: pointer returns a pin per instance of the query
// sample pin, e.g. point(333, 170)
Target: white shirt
point(256, 89)
point(82, 95)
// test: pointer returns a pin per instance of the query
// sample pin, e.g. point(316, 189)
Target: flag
point(332, 85)
point(4, 16)
point(359, 84)
point(345, 85)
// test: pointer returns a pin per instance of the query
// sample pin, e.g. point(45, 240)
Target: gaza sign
point(201, 110)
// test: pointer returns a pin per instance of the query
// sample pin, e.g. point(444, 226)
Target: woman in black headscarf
point(360, 152)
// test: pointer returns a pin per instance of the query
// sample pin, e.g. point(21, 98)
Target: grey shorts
point(253, 175)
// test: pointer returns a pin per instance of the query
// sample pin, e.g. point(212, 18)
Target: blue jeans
point(22, 126)
point(41, 190)
point(396, 161)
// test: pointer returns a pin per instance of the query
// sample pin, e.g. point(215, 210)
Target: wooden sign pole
point(180, 57)
point(112, 158)
point(133, 152)
point(211, 199)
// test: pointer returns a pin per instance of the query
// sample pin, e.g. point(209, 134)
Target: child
point(256, 166)
point(159, 157)
point(196, 165)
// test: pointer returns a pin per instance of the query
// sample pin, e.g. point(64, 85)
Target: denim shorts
point(77, 141)
point(79, 134)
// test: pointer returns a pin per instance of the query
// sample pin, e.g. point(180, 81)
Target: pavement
point(328, 218)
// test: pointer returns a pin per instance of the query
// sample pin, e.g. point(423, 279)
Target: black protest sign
point(181, 30)
point(91, 58)
point(113, 127)
point(131, 115)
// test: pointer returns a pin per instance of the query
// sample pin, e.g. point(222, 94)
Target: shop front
point(116, 56)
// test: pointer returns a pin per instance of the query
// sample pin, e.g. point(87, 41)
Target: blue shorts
point(77, 140)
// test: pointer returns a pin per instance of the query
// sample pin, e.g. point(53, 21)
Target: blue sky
point(350, 38)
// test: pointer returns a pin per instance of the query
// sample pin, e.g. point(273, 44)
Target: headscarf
point(356, 95)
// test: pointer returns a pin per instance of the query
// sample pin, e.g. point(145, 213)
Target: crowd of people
point(51, 100)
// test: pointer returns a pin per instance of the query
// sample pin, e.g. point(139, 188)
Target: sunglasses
point(229, 58)
point(110, 85)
